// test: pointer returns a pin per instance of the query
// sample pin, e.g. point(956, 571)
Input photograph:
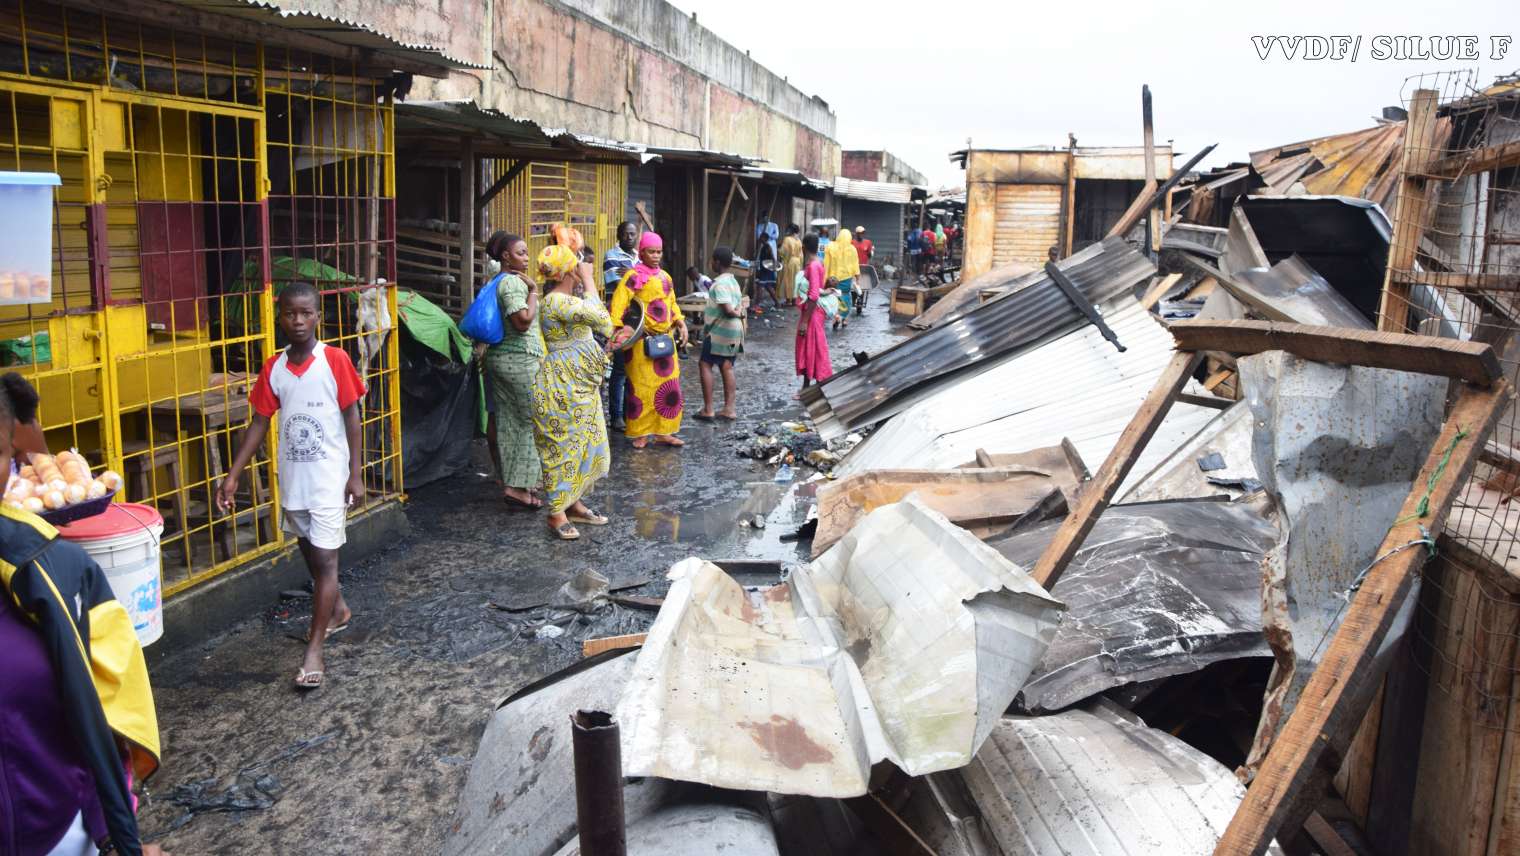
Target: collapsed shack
point(1307, 509)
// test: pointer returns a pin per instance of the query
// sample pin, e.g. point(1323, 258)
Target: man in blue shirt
point(618, 261)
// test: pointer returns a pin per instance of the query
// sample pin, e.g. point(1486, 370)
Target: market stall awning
point(498, 134)
point(873, 191)
point(344, 34)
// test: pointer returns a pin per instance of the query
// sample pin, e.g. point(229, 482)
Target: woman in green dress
point(512, 366)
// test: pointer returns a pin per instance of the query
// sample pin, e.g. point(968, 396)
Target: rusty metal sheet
point(905, 642)
point(969, 498)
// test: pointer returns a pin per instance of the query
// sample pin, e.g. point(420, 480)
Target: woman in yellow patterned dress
point(653, 403)
point(567, 411)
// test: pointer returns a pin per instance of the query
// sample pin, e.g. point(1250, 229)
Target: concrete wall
point(636, 70)
point(868, 165)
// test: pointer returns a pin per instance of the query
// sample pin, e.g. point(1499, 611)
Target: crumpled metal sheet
point(697, 829)
point(1156, 590)
point(519, 799)
point(905, 642)
point(1098, 782)
point(1337, 448)
point(1179, 476)
point(1296, 292)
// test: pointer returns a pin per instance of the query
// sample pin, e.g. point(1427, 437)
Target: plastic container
point(26, 242)
point(123, 540)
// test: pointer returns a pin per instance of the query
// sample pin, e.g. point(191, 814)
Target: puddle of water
point(658, 516)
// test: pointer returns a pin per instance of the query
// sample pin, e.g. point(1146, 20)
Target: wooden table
point(201, 414)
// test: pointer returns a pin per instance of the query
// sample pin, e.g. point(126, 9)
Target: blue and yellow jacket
point(101, 673)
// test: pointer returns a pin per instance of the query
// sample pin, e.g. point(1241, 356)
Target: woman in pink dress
point(812, 342)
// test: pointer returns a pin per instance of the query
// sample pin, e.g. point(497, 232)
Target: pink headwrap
point(643, 272)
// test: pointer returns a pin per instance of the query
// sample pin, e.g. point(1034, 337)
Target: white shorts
point(325, 528)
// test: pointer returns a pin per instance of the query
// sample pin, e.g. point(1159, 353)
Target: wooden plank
point(1477, 282)
point(468, 168)
point(1159, 290)
point(1470, 634)
point(1411, 210)
point(1473, 362)
point(1319, 727)
point(1324, 835)
point(1486, 159)
point(1097, 493)
point(1213, 401)
point(592, 647)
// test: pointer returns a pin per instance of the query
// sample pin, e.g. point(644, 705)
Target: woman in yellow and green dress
point(653, 402)
point(567, 410)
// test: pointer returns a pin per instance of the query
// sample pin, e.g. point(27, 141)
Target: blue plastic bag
point(482, 321)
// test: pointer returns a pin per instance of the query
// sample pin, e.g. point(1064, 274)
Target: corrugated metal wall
point(640, 189)
point(1028, 222)
point(883, 222)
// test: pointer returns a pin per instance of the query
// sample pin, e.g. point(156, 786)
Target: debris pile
point(996, 651)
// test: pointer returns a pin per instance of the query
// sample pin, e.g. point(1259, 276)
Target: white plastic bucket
point(123, 540)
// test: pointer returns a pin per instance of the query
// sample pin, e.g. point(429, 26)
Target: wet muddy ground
point(373, 761)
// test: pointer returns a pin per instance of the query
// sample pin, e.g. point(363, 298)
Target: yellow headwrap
point(557, 260)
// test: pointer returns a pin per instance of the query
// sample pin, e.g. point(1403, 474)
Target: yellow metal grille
point(196, 173)
point(590, 197)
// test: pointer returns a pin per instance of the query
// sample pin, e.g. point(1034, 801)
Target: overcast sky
point(919, 78)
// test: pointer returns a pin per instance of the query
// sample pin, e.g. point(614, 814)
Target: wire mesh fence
point(1454, 271)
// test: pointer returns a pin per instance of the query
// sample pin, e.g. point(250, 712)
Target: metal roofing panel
point(334, 29)
point(466, 115)
point(896, 377)
point(1076, 386)
point(1098, 782)
point(875, 191)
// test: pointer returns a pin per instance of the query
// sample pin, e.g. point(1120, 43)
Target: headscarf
point(641, 272)
point(556, 260)
point(840, 259)
point(567, 236)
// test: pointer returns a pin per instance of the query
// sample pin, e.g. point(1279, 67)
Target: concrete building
point(634, 70)
point(677, 121)
point(867, 165)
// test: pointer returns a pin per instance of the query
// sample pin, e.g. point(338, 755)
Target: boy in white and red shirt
point(316, 392)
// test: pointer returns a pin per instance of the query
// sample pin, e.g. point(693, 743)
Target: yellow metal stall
point(199, 175)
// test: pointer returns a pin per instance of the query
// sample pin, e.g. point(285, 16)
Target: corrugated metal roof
point(1098, 782)
point(875, 191)
point(1366, 163)
point(1076, 386)
point(347, 33)
point(468, 116)
point(896, 377)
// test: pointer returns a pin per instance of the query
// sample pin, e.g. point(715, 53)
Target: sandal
point(639, 443)
point(565, 532)
point(703, 417)
point(330, 631)
point(729, 418)
point(665, 440)
point(518, 505)
point(590, 518)
point(308, 680)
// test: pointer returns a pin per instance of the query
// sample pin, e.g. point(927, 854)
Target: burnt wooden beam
point(1095, 494)
point(1473, 362)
